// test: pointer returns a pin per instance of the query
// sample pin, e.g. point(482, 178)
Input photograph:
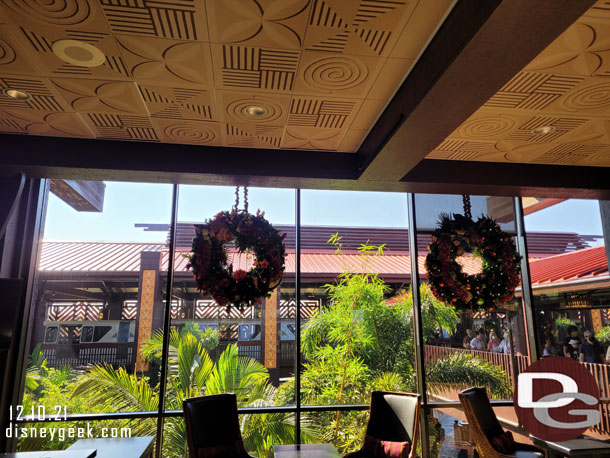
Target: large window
point(571, 292)
point(361, 340)
point(108, 335)
point(251, 348)
point(98, 299)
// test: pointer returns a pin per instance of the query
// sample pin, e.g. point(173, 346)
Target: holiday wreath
point(496, 283)
point(249, 233)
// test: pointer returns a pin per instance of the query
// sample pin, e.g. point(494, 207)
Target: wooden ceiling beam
point(46, 156)
point(480, 47)
point(496, 178)
point(99, 160)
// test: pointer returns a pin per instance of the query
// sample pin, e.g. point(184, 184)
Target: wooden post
point(148, 296)
point(270, 336)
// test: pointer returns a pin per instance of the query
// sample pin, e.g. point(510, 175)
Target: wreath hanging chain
point(459, 234)
point(215, 275)
point(467, 206)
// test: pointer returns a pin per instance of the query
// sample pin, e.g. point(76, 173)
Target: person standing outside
point(467, 338)
point(590, 351)
point(494, 342)
point(568, 347)
point(477, 343)
point(505, 345)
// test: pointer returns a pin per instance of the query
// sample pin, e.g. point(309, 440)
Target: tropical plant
point(603, 336)
point(564, 322)
point(362, 342)
point(192, 372)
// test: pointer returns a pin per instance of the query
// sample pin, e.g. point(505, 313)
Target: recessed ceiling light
point(78, 53)
point(543, 130)
point(256, 111)
point(17, 94)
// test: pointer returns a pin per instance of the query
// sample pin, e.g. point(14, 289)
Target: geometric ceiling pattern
point(555, 111)
point(317, 73)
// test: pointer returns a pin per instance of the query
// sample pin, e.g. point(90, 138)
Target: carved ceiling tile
point(323, 112)
point(312, 138)
point(598, 158)
point(38, 42)
point(255, 23)
point(266, 69)
point(44, 95)
point(533, 91)
point(56, 124)
point(365, 27)
point(435, 154)
point(189, 132)
point(596, 131)
point(571, 154)
point(251, 135)
point(368, 114)
point(352, 140)
point(100, 96)
point(589, 98)
point(420, 28)
point(13, 58)
point(232, 107)
point(178, 103)
point(463, 149)
point(61, 14)
point(583, 49)
point(183, 20)
point(122, 126)
point(601, 9)
point(338, 75)
point(392, 74)
point(167, 62)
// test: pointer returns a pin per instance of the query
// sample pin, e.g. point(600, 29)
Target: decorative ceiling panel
point(555, 111)
point(294, 74)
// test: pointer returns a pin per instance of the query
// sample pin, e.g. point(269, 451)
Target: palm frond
point(114, 390)
point(460, 371)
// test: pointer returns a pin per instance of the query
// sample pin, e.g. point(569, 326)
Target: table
point(303, 451)
point(576, 447)
point(133, 447)
point(83, 453)
point(462, 437)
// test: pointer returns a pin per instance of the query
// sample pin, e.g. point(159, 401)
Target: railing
point(251, 349)
point(601, 372)
point(287, 355)
point(79, 356)
point(433, 353)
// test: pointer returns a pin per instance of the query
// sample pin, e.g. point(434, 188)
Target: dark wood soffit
point(73, 159)
point(106, 155)
point(476, 51)
point(528, 180)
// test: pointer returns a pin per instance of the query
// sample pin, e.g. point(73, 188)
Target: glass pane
point(449, 433)
point(569, 270)
point(465, 348)
point(244, 349)
point(496, 207)
point(98, 299)
point(357, 334)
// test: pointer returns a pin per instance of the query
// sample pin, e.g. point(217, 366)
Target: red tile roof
point(590, 263)
point(125, 257)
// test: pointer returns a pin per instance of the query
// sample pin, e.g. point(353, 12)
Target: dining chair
point(212, 427)
point(488, 436)
point(393, 421)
